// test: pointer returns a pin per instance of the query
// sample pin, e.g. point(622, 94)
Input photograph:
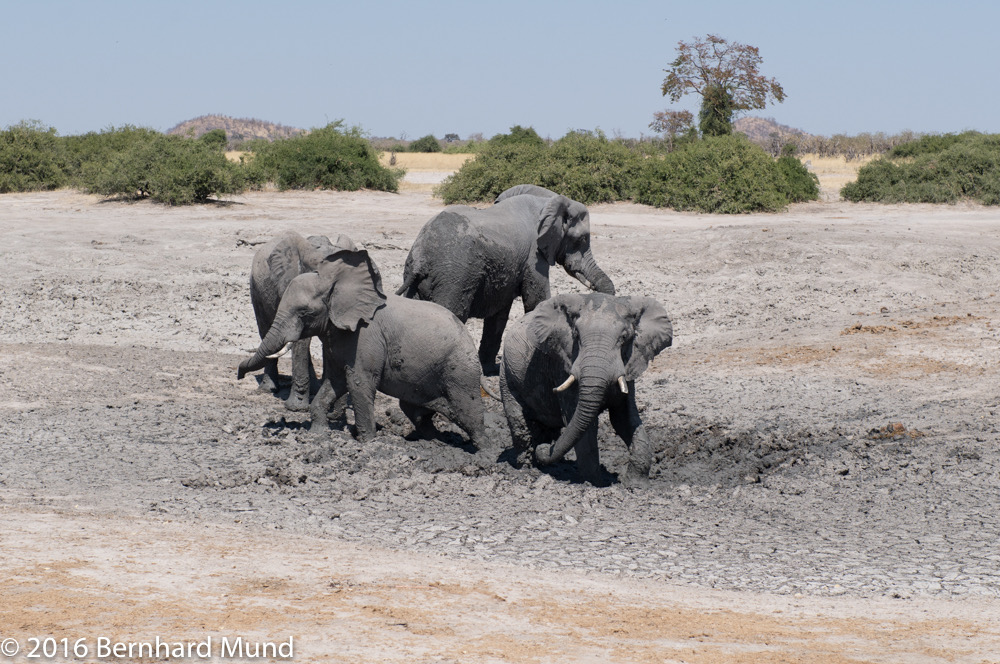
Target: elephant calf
point(571, 358)
point(415, 351)
point(275, 264)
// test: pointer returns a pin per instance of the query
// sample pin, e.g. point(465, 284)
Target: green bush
point(87, 153)
point(929, 144)
point(519, 136)
point(426, 144)
point(721, 174)
point(799, 184)
point(215, 139)
point(498, 166)
point(326, 158)
point(31, 158)
point(726, 174)
point(939, 169)
point(166, 169)
point(589, 168)
point(464, 147)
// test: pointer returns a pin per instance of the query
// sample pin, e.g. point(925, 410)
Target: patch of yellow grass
point(833, 172)
point(427, 161)
point(833, 165)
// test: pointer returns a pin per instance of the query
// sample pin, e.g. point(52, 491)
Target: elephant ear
point(552, 227)
point(357, 288)
point(653, 333)
point(549, 327)
point(283, 261)
point(315, 251)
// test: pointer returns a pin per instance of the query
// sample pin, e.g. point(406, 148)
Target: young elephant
point(415, 351)
point(570, 359)
point(274, 266)
point(476, 262)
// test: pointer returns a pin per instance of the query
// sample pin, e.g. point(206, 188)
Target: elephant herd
point(568, 359)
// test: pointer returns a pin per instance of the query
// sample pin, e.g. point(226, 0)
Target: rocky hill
point(762, 130)
point(237, 129)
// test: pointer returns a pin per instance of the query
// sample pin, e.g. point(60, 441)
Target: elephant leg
point(588, 456)
point(420, 417)
point(489, 345)
point(362, 390)
point(302, 374)
point(269, 379)
point(332, 391)
point(628, 425)
point(466, 410)
point(522, 435)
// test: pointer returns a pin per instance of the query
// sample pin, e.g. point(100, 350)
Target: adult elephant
point(476, 262)
point(274, 266)
point(570, 359)
point(415, 351)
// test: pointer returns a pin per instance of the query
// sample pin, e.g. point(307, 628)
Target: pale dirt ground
point(119, 516)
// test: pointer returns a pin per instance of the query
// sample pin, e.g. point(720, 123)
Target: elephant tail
point(409, 287)
point(487, 390)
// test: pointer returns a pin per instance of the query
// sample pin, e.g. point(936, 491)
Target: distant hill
point(761, 130)
point(237, 129)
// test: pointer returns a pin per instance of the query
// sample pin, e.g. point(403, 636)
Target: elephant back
point(525, 189)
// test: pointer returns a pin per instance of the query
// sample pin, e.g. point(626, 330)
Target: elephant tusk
point(622, 385)
point(565, 386)
point(281, 352)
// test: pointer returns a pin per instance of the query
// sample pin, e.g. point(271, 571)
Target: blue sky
point(416, 68)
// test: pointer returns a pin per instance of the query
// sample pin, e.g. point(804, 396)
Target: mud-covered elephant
point(275, 264)
point(476, 262)
point(418, 352)
point(573, 357)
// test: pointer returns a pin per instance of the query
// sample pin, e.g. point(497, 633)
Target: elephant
point(476, 262)
point(570, 359)
point(274, 266)
point(418, 352)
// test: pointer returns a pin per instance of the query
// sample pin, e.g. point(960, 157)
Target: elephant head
point(344, 292)
point(602, 344)
point(564, 236)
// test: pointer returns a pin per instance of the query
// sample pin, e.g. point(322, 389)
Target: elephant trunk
point(282, 332)
point(594, 383)
point(590, 275)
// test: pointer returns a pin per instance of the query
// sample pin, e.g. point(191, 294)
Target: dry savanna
point(824, 478)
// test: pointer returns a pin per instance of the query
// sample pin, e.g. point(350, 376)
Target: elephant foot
point(543, 451)
point(318, 423)
point(266, 385)
point(634, 479)
point(297, 402)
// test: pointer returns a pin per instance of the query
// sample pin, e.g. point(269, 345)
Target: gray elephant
point(274, 266)
point(476, 262)
point(570, 359)
point(415, 351)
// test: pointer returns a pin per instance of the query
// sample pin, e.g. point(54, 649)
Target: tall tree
point(726, 75)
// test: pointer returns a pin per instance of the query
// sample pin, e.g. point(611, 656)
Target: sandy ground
point(824, 487)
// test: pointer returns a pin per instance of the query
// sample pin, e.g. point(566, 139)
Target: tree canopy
point(727, 77)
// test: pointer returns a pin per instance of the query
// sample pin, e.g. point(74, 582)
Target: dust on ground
point(823, 489)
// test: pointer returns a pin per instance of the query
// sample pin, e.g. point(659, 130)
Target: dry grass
point(833, 172)
point(427, 161)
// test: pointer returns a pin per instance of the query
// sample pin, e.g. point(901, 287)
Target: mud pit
point(824, 488)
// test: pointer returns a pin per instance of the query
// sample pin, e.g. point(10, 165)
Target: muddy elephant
point(573, 357)
point(475, 263)
point(274, 266)
point(418, 352)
